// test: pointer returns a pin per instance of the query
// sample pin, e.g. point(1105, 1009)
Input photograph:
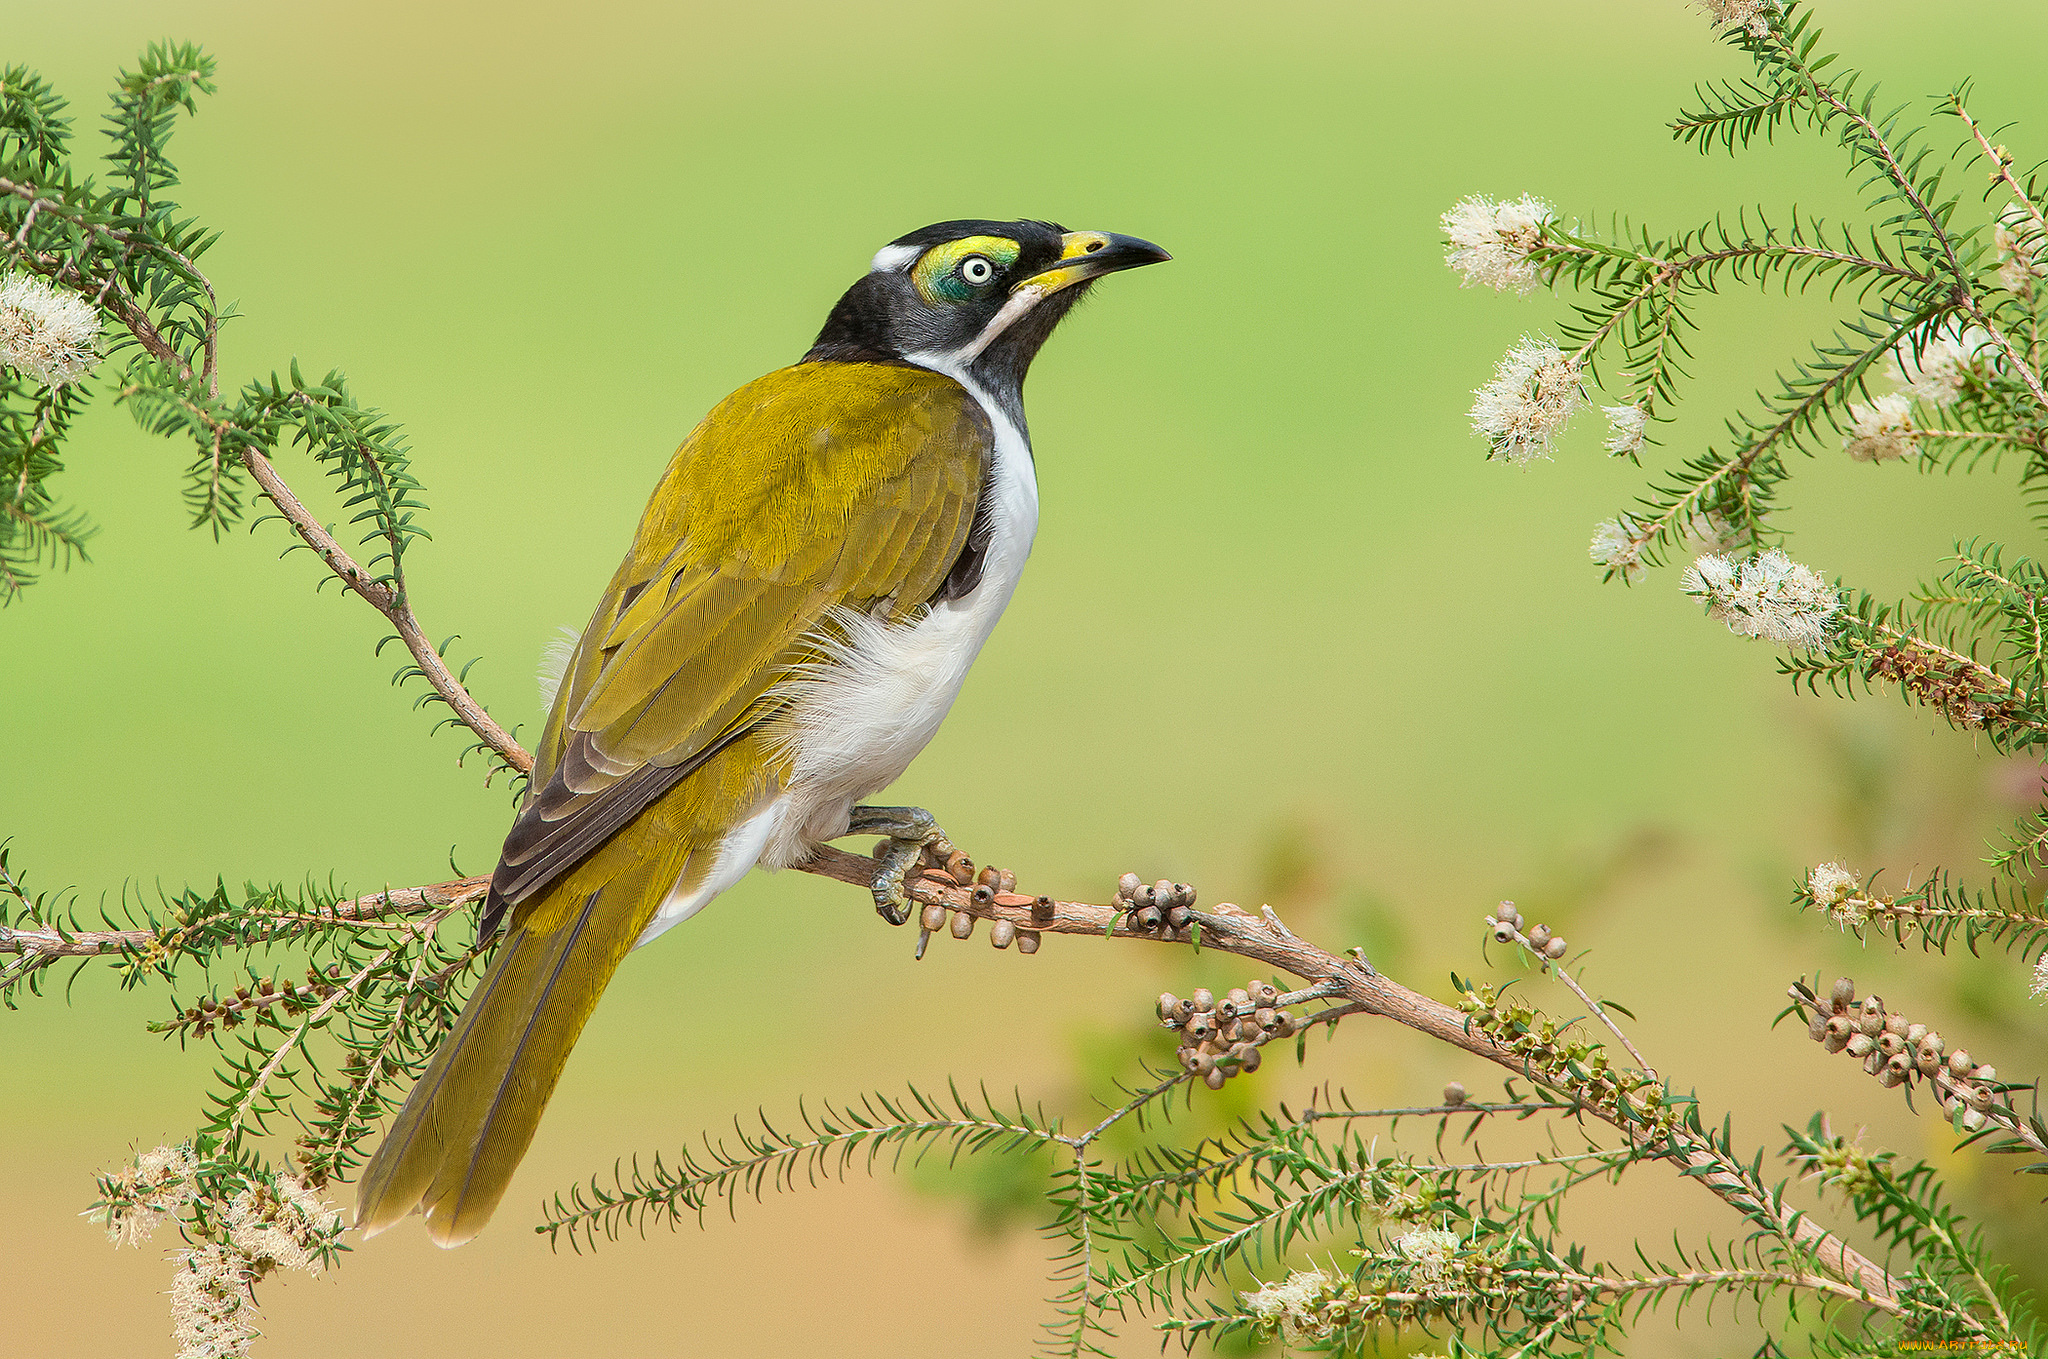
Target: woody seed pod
point(1265, 993)
point(1932, 1041)
point(1844, 994)
point(1185, 1008)
point(933, 917)
point(1973, 1119)
point(1266, 1019)
point(1185, 893)
point(1454, 1093)
point(1002, 933)
point(1287, 1027)
point(1502, 932)
point(982, 895)
point(1838, 1031)
point(989, 876)
point(1871, 1064)
point(1205, 1062)
point(1163, 891)
point(1896, 1024)
point(1927, 1060)
point(1959, 1063)
point(963, 924)
point(1915, 1033)
point(1987, 1074)
point(1189, 1057)
point(1899, 1064)
point(1214, 1077)
point(1871, 1021)
point(1978, 1097)
point(1889, 1043)
point(1147, 919)
point(1539, 936)
point(1200, 1026)
point(1861, 1044)
point(1554, 950)
point(1247, 1056)
point(1027, 941)
point(1817, 1027)
point(1205, 1000)
point(1505, 912)
point(1890, 1079)
point(1006, 881)
point(1127, 886)
point(1178, 917)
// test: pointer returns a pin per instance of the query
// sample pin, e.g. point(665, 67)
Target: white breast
point(860, 720)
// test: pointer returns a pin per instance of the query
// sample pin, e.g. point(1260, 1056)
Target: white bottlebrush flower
point(1882, 431)
point(554, 663)
point(212, 1310)
point(1490, 243)
point(1534, 392)
point(46, 334)
point(2020, 240)
point(282, 1230)
point(1769, 596)
point(1431, 1258)
point(1295, 1305)
point(1754, 15)
point(1838, 891)
point(156, 1186)
point(1615, 547)
point(2040, 987)
point(1625, 426)
point(1936, 367)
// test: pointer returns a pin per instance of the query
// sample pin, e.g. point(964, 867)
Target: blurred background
point(1286, 635)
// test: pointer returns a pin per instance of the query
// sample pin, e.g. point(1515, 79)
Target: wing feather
point(817, 488)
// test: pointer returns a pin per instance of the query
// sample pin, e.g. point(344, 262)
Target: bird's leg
point(912, 835)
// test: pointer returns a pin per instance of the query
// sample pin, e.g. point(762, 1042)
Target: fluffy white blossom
point(1882, 431)
point(1431, 1257)
point(2020, 240)
point(285, 1229)
point(212, 1310)
point(1625, 425)
point(156, 1186)
point(1942, 365)
point(1297, 1305)
point(1754, 15)
point(1769, 596)
point(46, 334)
point(1838, 891)
point(1490, 243)
point(2040, 987)
point(1616, 548)
point(1534, 392)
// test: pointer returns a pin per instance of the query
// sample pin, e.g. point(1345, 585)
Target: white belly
point(858, 720)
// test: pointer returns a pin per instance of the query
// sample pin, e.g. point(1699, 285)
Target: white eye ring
point(976, 270)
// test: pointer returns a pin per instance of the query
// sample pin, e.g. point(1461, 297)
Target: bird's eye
point(976, 270)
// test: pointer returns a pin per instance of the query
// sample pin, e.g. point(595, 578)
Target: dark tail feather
point(467, 1123)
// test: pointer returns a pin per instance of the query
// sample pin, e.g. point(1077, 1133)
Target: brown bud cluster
point(1952, 687)
point(226, 1012)
point(1165, 909)
point(989, 887)
point(1221, 1037)
point(1506, 923)
point(1898, 1052)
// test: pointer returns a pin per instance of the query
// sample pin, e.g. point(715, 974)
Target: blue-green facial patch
point(962, 270)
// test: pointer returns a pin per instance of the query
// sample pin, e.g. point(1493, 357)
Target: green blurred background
point(1286, 635)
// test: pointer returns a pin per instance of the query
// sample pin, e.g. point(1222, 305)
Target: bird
point(814, 573)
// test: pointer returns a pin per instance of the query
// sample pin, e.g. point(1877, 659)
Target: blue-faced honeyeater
point(813, 575)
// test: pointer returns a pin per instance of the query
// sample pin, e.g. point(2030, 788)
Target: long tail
point(467, 1123)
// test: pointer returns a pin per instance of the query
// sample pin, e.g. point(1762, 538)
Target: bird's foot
point(914, 840)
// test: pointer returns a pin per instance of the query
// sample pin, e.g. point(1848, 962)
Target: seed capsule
point(1201, 1027)
point(1817, 1027)
point(1503, 932)
point(1214, 1077)
point(1205, 1000)
point(1454, 1092)
point(1539, 936)
point(1287, 1027)
point(982, 895)
point(1147, 919)
point(933, 917)
point(989, 876)
point(1169, 1008)
point(1554, 950)
point(1838, 1031)
point(1959, 1063)
point(1189, 1057)
point(1932, 1041)
point(1185, 1009)
point(1506, 912)
point(1973, 1119)
point(1177, 917)
point(1897, 1024)
point(1927, 1060)
point(1872, 1064)
point(1002, 933)
point(1890, 1079)
point(1978, 1097)
point(1127, 886)
point(1916, 1033)
point(1889, 1043)
point(1205, 1062)
point(1844, 994)
point(1027, 941)
point(1987, 1074)
point(1861, 1045)
point(1871, 1019)
point(1265, 993)
point(1899, 1064)
point(1247, 1056)
point(1267, 1020)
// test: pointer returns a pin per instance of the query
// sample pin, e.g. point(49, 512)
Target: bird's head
point(973, 297)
